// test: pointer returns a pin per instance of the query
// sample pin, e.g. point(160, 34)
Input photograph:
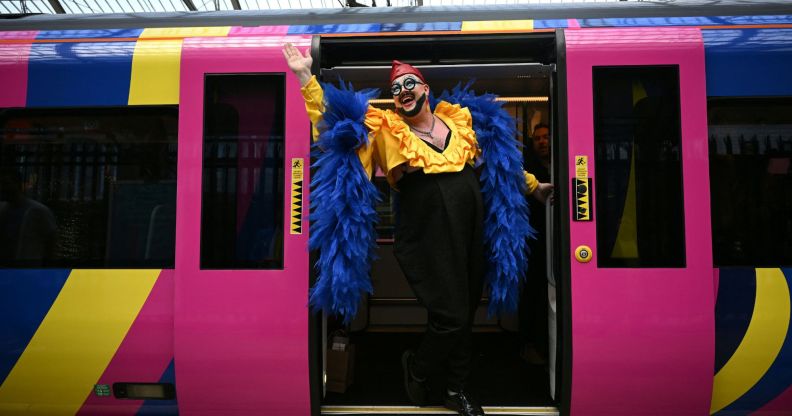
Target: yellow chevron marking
point(762, 341)
point(75, 341)
point(297, 165)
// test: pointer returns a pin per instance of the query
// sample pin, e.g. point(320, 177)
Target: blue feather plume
point(506, 225)
point(343, 202)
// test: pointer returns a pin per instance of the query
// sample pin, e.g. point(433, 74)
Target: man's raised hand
point(299, 64)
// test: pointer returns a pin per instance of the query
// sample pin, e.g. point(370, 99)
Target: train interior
point(511, 365)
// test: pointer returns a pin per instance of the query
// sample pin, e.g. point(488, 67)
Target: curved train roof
point(697, 8)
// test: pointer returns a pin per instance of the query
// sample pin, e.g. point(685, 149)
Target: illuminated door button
point(583, 254)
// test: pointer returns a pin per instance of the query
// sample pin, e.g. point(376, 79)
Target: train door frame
point(556, 91)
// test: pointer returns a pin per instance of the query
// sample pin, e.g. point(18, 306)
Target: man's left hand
point(544, 193)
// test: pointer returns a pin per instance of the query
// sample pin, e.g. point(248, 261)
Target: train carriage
point(154, 191)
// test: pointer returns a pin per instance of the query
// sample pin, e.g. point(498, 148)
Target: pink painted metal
point(19, 35)
point(241, 336)
point(778, 406)
point(259, 31)
point(14, 70)
point(145, 353)
point(643, 339)
point(573, 24)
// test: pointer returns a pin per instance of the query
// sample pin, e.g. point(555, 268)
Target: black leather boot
point(462, 403)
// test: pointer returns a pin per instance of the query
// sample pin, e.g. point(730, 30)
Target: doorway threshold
point(414, 410)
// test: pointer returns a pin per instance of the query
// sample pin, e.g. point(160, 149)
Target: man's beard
point(419, 103)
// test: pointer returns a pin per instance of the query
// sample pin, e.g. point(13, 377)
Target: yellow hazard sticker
point(581, 189)
point(581, 167)
point(296, 195)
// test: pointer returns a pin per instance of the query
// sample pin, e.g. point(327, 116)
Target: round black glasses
point(409, 84)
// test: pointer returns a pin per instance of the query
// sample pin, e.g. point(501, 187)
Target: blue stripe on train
point(748, 62)
point(550, 23)
point(161, 407)
point(775, 381)
point(79, 74)
point(333, 28)
point(686, 21)
point(422, 27)
point(733, 311)
point(25, 298)
point(92, 33)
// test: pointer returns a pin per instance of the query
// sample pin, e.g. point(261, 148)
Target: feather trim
point(343, 203)
point(506, 225)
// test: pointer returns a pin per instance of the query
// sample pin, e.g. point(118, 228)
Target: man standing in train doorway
point(429, 157)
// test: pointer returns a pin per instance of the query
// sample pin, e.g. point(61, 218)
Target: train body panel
point(701, 337)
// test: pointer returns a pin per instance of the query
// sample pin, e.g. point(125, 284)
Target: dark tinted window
point(89, 187)
point(638, 190)
point(750, 147)
point(243, 172)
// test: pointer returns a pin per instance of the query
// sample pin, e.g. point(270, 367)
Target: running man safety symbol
point(296, 195)
point(581, 189)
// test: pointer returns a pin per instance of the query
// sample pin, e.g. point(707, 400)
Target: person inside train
point(534, 301)
point(27, 227)
point(428, 157)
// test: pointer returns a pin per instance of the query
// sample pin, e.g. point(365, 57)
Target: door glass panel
point(638, 161)
point(88, 187)
point(243, 172)
point(750, 155)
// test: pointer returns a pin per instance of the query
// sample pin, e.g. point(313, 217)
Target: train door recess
point(241, 286)
point(642, 298)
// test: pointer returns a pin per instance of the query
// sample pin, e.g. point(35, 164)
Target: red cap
point(400, 68)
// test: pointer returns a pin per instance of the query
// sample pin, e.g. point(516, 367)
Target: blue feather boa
point(343, 203)
point(506, 225)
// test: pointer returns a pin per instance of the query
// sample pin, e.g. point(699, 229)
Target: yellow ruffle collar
point(462, 148)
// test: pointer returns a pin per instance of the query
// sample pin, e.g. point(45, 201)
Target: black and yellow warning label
point(296, 195)
point(581, 189)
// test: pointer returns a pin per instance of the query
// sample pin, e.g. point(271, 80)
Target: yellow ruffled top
point(392, 144)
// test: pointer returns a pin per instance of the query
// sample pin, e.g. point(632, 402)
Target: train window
point(243, 171)
point(88, 187)
point(638, 191)
point(750, 149)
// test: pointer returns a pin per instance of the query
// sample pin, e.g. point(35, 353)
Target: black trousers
point(439, 246)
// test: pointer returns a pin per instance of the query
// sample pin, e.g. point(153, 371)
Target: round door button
point(583, 254)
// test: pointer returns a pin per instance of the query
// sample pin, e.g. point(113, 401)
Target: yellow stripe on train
point(155, 72)
point(762, 341)
point(75, 341)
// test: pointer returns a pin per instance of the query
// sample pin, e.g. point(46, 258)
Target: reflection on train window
point(88, 187)
point(750, 148)
point(638, 191)
point(243, 172)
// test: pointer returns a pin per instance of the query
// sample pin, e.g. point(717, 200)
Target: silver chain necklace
point(427, 133)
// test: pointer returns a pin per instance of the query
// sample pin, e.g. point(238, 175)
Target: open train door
point(241, 285)
point(641, 288)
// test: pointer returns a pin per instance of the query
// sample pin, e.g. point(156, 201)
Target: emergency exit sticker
point(581, 167)
point(581, 189)
point(296, 195)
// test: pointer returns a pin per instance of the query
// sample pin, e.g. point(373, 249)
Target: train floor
point(499, 376)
